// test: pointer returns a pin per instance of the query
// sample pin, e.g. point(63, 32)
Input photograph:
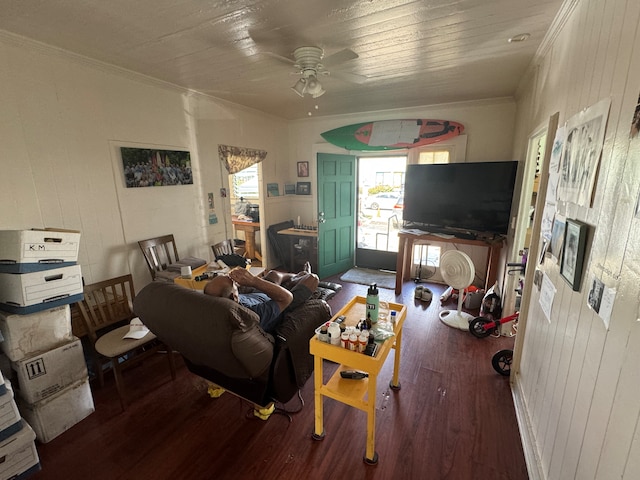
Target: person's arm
point(278, 294)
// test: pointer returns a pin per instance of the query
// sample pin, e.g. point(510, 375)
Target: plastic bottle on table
point(363, 339)
point(334, 334)
point(353, 341)
point(373, 303)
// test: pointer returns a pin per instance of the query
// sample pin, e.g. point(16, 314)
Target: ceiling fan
point(310, 63)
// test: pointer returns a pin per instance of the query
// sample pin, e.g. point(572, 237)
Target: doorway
point(380, 202)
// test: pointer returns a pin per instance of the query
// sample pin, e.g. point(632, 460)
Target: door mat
point(367, 276)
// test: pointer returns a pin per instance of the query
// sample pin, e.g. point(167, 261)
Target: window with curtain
point(246, 183)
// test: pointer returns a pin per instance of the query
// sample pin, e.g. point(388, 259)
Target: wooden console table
point(249, 229)
point(405, 249)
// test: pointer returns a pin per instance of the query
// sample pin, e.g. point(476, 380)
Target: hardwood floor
point(453, 419)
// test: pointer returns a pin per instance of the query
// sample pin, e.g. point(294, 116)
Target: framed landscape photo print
point(575, 239)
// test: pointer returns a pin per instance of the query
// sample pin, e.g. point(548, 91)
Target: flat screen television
point(460, 197)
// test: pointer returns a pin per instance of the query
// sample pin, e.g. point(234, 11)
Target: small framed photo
point(575, 239)
point(273, 190)
point(303, 169)
point(289, 189)
point(303, 188)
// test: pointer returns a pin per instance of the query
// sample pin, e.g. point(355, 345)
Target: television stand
point(408, 238)
point(465, 235)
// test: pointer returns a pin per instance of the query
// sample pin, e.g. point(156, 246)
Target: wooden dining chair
point(159, 252)
point(106, 310)
point(223, 248)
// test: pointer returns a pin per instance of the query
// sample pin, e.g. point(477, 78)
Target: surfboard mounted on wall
point(392, 134)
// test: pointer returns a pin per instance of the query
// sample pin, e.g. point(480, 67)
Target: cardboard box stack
point(17, 439)
point(39, 279)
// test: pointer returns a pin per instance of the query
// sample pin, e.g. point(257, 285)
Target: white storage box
point(24, 251)
point(19, 454)
point(47, 373)
point(36, 332)
point(57, 414)
point(33, 292)
point(10, 422)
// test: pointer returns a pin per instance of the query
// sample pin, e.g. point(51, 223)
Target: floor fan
point(458, 271)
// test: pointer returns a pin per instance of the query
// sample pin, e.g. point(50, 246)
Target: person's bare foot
point(307, 267)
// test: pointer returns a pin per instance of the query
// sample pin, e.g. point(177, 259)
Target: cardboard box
point(36, 332)
point(50, 372)
point(23, 251)
point(36, 291)
point(57, 414)
point(10, 421)
point(19, 454)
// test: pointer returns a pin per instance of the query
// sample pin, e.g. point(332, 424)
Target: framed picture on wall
point(575, 239)
point(303, 169)
point(303, 188)
point(150, 167)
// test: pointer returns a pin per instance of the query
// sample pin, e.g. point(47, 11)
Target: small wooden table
point(194, 284)
point(360, 394)
point(249, 229)
point(191, 282)
point(405, 249)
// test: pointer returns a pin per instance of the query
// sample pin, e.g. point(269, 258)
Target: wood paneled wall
point(577, 387)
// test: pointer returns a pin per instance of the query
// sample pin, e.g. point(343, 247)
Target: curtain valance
point(239, 158)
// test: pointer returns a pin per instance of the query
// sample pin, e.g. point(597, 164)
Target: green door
point(336, 213)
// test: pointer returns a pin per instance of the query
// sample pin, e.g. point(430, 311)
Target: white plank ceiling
point(409, 53)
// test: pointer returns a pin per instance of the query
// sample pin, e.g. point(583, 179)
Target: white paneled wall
point(578, 384)
point(62, 121)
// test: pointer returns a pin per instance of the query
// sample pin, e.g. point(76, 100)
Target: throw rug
point(366, 276)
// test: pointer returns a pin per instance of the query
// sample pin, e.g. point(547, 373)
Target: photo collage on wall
point(573, 169)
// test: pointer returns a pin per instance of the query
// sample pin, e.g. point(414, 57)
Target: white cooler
point(40, 331)
point(57, 414)
point(24, 251)
point(47, 373)
point(33, 292)
point(19, 454)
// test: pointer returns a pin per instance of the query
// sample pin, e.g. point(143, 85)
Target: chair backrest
point(223, 248)
point(279, 244)
point(159, 252)
point(107, 303)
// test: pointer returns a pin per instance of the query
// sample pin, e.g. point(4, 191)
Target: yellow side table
point(360, 394)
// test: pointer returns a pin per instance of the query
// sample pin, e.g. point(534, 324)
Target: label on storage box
point(49, 372)
point(24, 251)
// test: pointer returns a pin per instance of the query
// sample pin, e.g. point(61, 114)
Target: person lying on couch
point(277, 292)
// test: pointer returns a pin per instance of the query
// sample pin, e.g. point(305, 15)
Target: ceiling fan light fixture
point(319, 93)
point(314, 87)
point(300, 87)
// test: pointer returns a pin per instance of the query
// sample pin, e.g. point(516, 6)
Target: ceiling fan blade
point(339, 57)
point(280, 58)
point(349, 77)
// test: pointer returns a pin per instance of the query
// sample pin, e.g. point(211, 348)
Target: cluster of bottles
point(355, 338)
